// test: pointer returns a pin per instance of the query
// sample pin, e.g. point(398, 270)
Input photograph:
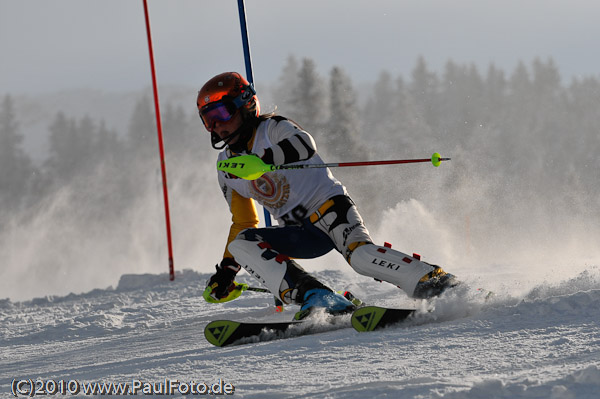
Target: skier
point(314, 212)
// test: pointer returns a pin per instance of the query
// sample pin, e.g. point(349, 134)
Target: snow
point(542, 343)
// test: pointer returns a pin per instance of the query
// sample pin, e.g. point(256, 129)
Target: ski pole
point(255, 289)
point(251, 167)
point(233, 294)
point(278, 303)
point(236, 292)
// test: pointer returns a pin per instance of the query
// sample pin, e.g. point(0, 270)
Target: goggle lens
point(216, 112)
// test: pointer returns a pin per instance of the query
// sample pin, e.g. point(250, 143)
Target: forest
point(524, 144)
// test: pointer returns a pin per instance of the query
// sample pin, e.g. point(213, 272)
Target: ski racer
point(313, 210)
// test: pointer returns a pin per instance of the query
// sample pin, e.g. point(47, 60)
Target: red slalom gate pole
point(161, 150)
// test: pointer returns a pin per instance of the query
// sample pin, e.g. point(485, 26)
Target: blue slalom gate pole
point(250, 77)
point(245, 41)
point(249, 74)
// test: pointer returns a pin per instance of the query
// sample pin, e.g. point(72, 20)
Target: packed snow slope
point(544, 343)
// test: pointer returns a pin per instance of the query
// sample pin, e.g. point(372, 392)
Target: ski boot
point(323, 298)
point(434, 283)
point(349, 296)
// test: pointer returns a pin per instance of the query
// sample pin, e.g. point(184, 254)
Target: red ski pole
point(251, 167)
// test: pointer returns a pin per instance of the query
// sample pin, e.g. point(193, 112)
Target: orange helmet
point(221, 97)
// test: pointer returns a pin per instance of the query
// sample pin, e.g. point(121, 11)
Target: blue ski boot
point(322, 298)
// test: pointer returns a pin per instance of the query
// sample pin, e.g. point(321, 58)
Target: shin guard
point(281, 275)
point(386, 264)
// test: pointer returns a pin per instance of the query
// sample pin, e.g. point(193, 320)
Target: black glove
point(221, 282)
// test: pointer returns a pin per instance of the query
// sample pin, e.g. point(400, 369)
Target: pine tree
point(308, 98)
point(15, 164)
point(495, 88)
point(453, 99)
point(86, 135)
point(71, 148)
point(175, 129)
point(582, 136)
point(381, 110)
point(520, 93)
point(288, 82)
point(343, 134)
point(461, 98)
point(57, 164)
point(142, 136)
point(107, 145)
point(584, 118)
point(141, 151)
point(424, 94)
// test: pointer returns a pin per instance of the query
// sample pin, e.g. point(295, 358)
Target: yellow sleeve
point(243, 216)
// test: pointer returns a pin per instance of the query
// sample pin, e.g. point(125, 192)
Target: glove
point(221, 282)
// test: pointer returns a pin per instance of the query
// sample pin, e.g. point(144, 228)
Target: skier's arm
point(243, 216)
point(293, 143)
point(243, 212)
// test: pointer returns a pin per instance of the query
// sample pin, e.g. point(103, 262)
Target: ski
point(364, 318)
point(369, 318)
point(227, 332)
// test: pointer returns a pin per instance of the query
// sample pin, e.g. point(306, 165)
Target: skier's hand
point(221, 283)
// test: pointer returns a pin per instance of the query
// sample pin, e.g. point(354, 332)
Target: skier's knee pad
point(389, 265)
point(340, 220)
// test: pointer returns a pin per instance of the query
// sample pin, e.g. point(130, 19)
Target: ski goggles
point(221, 111)
point(224, 110)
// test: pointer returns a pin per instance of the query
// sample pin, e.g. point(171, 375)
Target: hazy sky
point(64, 44)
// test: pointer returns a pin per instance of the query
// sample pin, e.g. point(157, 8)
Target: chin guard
point(215, 139)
